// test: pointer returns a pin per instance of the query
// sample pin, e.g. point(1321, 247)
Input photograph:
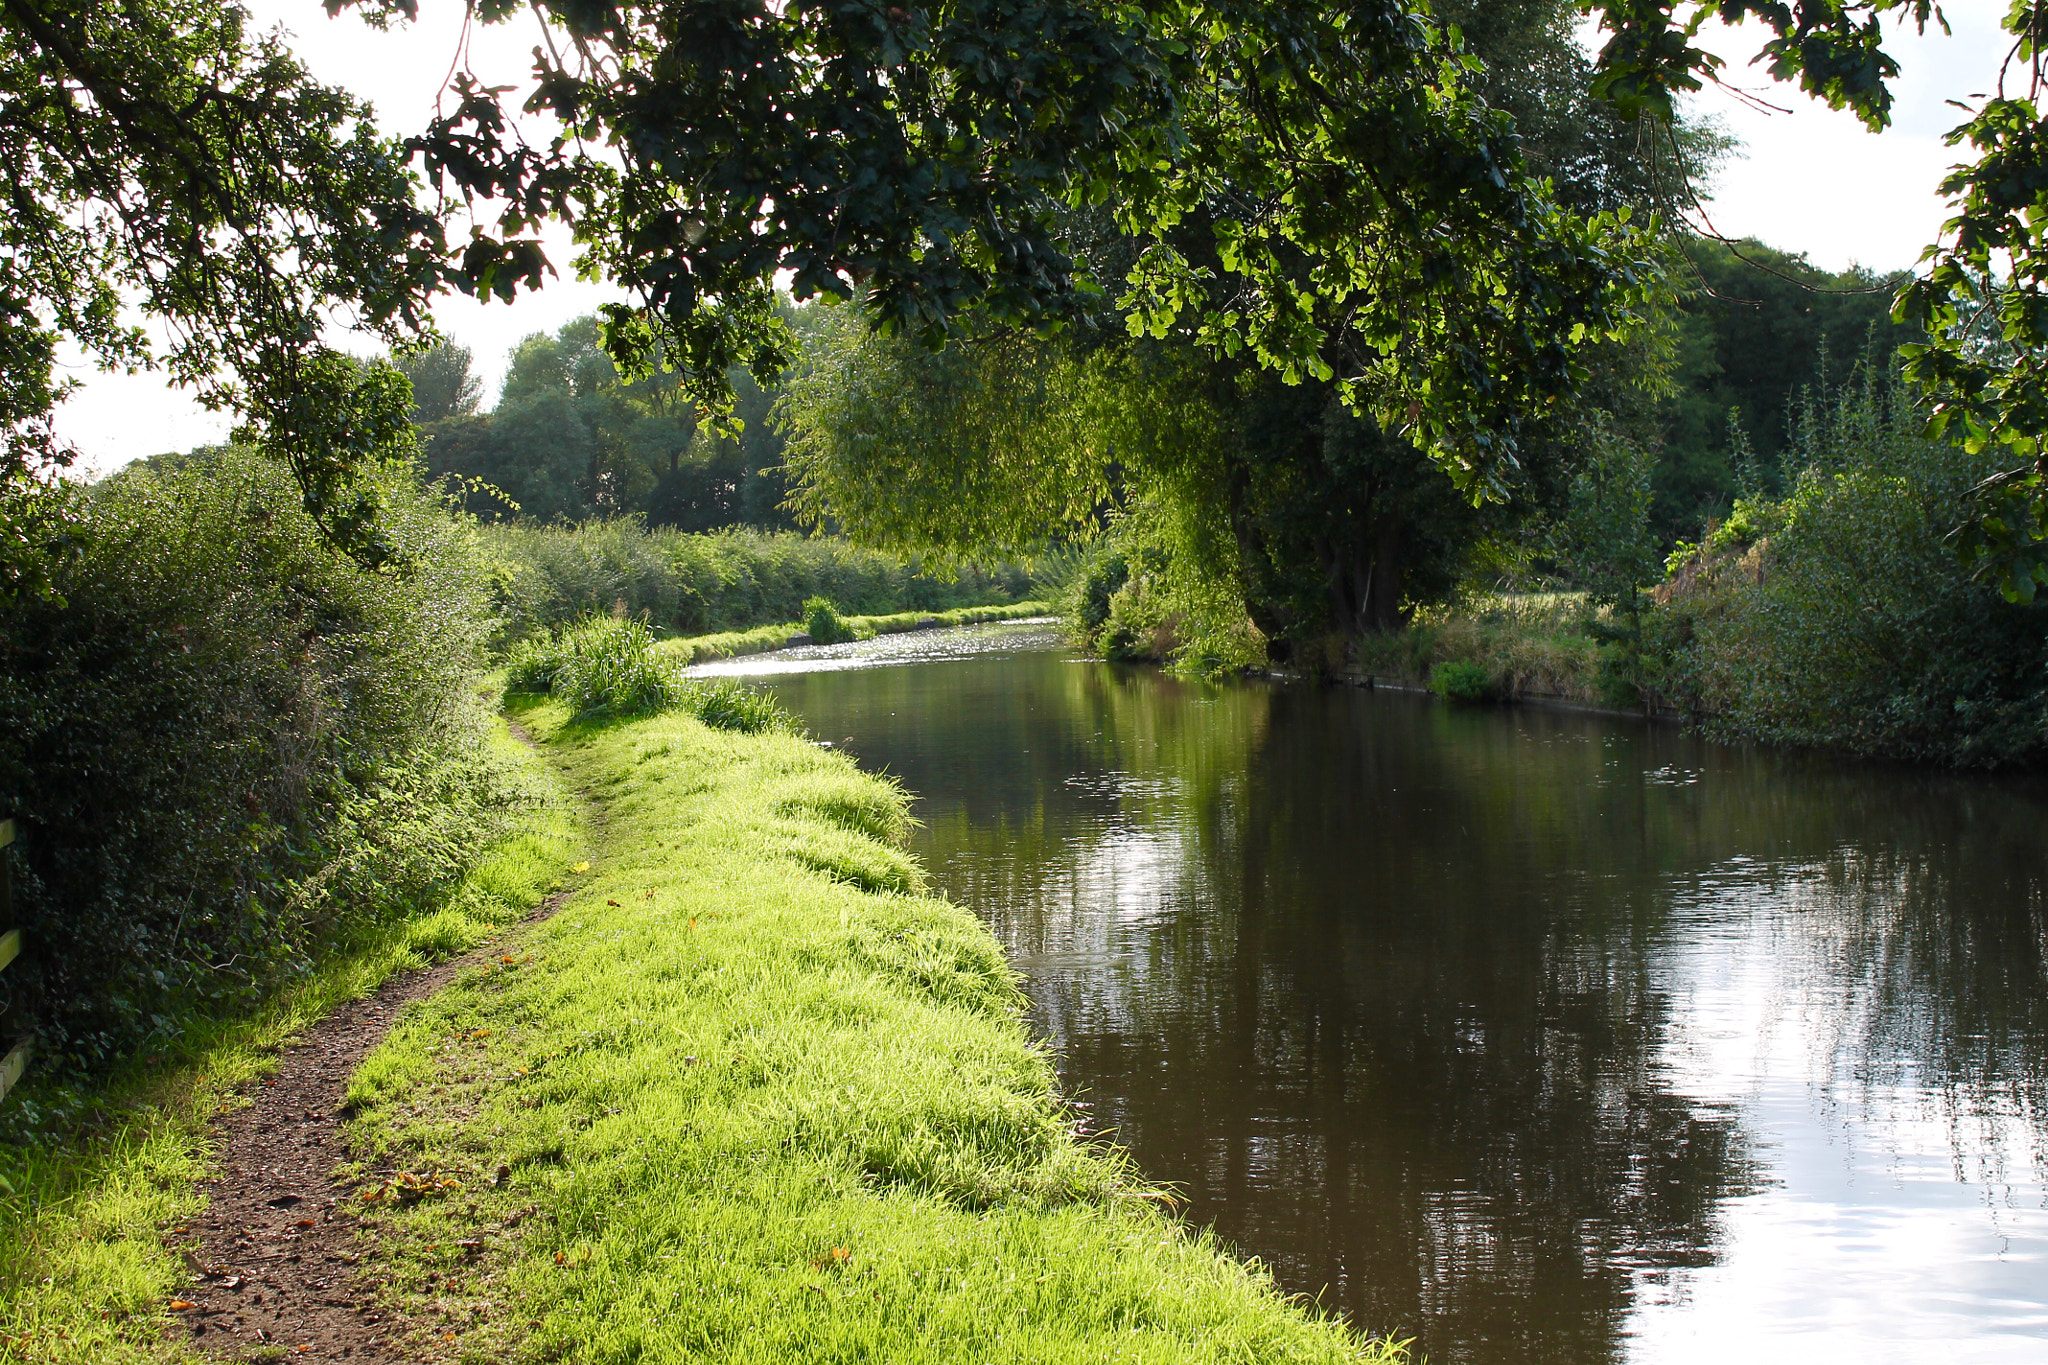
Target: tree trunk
point(1380, 607)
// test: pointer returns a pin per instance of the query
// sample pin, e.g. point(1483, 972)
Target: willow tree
point(1326, 428)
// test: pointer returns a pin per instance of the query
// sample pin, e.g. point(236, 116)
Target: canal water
point(1530, 1035)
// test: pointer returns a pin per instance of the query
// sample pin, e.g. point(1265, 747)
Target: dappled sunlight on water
point(1535, 1036)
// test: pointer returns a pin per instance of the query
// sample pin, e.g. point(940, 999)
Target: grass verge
point(752, 1096)
point(1527, 645)
point(89, 1235)
point(732, 644)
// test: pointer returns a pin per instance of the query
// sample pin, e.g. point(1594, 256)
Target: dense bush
point(228, 745)
point(547, 578)
point(1842, 616)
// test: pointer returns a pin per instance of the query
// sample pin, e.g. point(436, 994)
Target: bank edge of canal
point(752, 1095)
point(749, 1094)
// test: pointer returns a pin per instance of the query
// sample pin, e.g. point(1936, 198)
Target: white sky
point(1810, 180)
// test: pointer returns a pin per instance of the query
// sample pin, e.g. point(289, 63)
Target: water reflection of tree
point(1401, 1047)
point(1379, 983)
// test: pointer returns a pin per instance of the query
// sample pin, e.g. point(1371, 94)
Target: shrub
point(1849, 621)
point(602, 666)
point(825, 624)
point(1460, 681)
point(726, 705)
point(229, 746)
point(606, 667)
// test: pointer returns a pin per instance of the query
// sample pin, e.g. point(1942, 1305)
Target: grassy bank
point(1507, 647)
point(696, 649)
point(89, 1229)
point(752, 1096)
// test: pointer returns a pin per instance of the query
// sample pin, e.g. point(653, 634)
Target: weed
point(1461, 681)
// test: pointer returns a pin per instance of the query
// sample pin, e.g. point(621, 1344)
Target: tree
point(569, 439)
point(918, 156)
point(1756, 328)
point(442, 385)
point(159, 153)
point(1301, 498)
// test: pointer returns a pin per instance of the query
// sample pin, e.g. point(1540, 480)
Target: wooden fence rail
point(13, 1022)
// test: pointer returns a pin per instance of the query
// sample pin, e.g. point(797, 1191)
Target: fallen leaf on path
point(180, 1305)
point(303, 1223)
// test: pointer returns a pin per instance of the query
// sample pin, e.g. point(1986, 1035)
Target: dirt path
point(277, 1268)
point(277, 1274)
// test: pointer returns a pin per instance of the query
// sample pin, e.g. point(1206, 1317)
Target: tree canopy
point(919, 156)
point(1326, 190)
point(161, 155)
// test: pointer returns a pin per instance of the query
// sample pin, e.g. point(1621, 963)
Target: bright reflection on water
point(1533, 1036)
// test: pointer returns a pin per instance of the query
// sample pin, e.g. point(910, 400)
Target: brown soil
point(276, 1275)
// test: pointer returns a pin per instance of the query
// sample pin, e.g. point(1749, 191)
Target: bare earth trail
point(279, 1273)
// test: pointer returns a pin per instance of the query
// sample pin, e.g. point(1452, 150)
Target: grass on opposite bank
point(751, 1095)
point(89, 1236)
point(732, 644)
point(1527, 644)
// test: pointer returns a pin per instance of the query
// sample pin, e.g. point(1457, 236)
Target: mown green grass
point(733, 644)
point(90, 1238)
point(751, 1095)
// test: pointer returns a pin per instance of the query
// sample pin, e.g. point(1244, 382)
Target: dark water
point(1533, 1036)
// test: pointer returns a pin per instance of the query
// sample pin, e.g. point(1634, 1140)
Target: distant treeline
point(568, 440)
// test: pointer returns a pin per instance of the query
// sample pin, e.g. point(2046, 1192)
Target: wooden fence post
point(12, 1025)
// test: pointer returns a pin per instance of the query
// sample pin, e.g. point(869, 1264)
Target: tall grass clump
point(228, 748)
point(824, 623)
point(546, 578)
point(1842, 616)
point(607, 667)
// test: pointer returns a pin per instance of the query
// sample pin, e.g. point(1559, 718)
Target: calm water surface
point(1533, 1036)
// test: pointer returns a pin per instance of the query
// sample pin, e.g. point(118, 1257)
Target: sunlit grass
point(1527, 644)
point(752, 1096)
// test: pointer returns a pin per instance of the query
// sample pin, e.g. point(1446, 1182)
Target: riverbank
point(749, 1094)
point(733, 644)
point(1535, 647)
point(752, 1096)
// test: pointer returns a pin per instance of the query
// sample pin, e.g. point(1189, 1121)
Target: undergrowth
point(606, 667)
point(90, 1228)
